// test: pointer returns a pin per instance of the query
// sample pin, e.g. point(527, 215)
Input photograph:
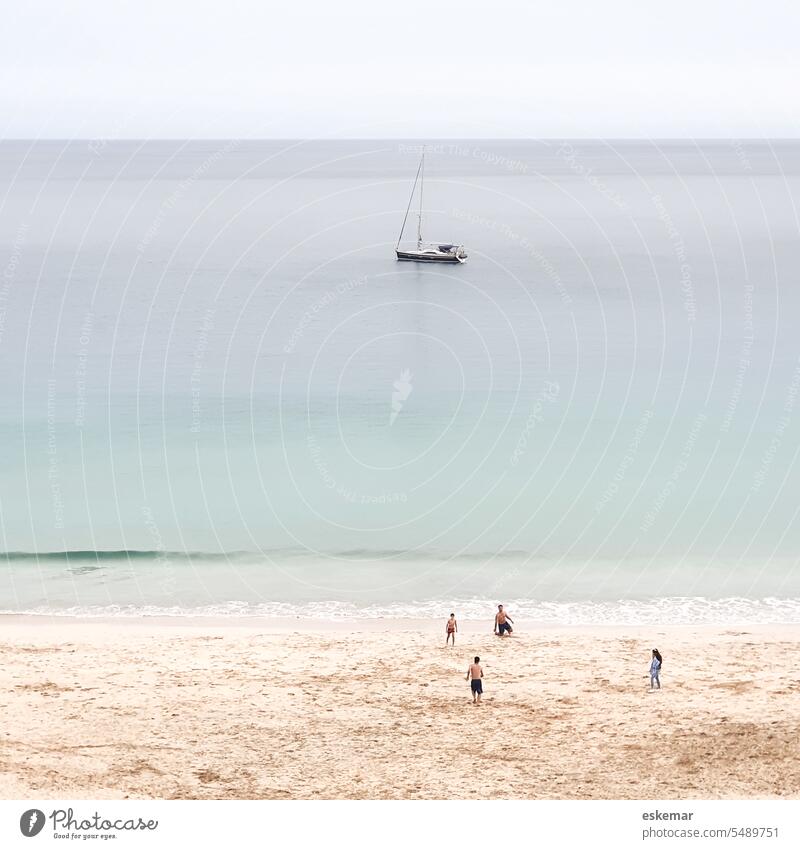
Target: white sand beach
point(273, 709)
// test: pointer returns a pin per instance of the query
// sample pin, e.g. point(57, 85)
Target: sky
point(412, 69)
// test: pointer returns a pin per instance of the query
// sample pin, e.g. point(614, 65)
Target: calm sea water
point(222, 394)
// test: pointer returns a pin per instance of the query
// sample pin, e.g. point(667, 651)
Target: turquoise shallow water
point(208, 353)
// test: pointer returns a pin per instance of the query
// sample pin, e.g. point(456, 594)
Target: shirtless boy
point(474, 676)
point(501, 621)
point(451, 629)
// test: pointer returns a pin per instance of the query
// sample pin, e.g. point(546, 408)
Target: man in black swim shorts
point(475, 676)
point(501, 622)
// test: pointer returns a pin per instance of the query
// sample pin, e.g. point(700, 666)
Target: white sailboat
point(431, 251)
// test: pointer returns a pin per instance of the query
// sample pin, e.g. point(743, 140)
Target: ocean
point(222, 395)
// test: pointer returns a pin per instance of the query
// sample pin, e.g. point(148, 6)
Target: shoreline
point(366, 625)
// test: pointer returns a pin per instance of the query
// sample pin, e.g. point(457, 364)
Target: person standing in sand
point(451, 629)
point(475, 677)
point(655, 669)
point(501, 620)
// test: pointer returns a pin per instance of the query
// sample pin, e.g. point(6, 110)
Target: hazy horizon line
point(415, 139)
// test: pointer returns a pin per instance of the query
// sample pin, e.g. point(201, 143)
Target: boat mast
point(410, 201)
point(421, 190)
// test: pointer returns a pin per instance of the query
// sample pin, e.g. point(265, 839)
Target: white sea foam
point(663, 611)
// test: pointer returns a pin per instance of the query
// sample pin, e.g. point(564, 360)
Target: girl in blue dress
point(655, 669)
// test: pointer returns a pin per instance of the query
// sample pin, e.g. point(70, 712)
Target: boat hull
point(415, 256)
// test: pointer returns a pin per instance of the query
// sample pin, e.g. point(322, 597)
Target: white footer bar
point(410, 825)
